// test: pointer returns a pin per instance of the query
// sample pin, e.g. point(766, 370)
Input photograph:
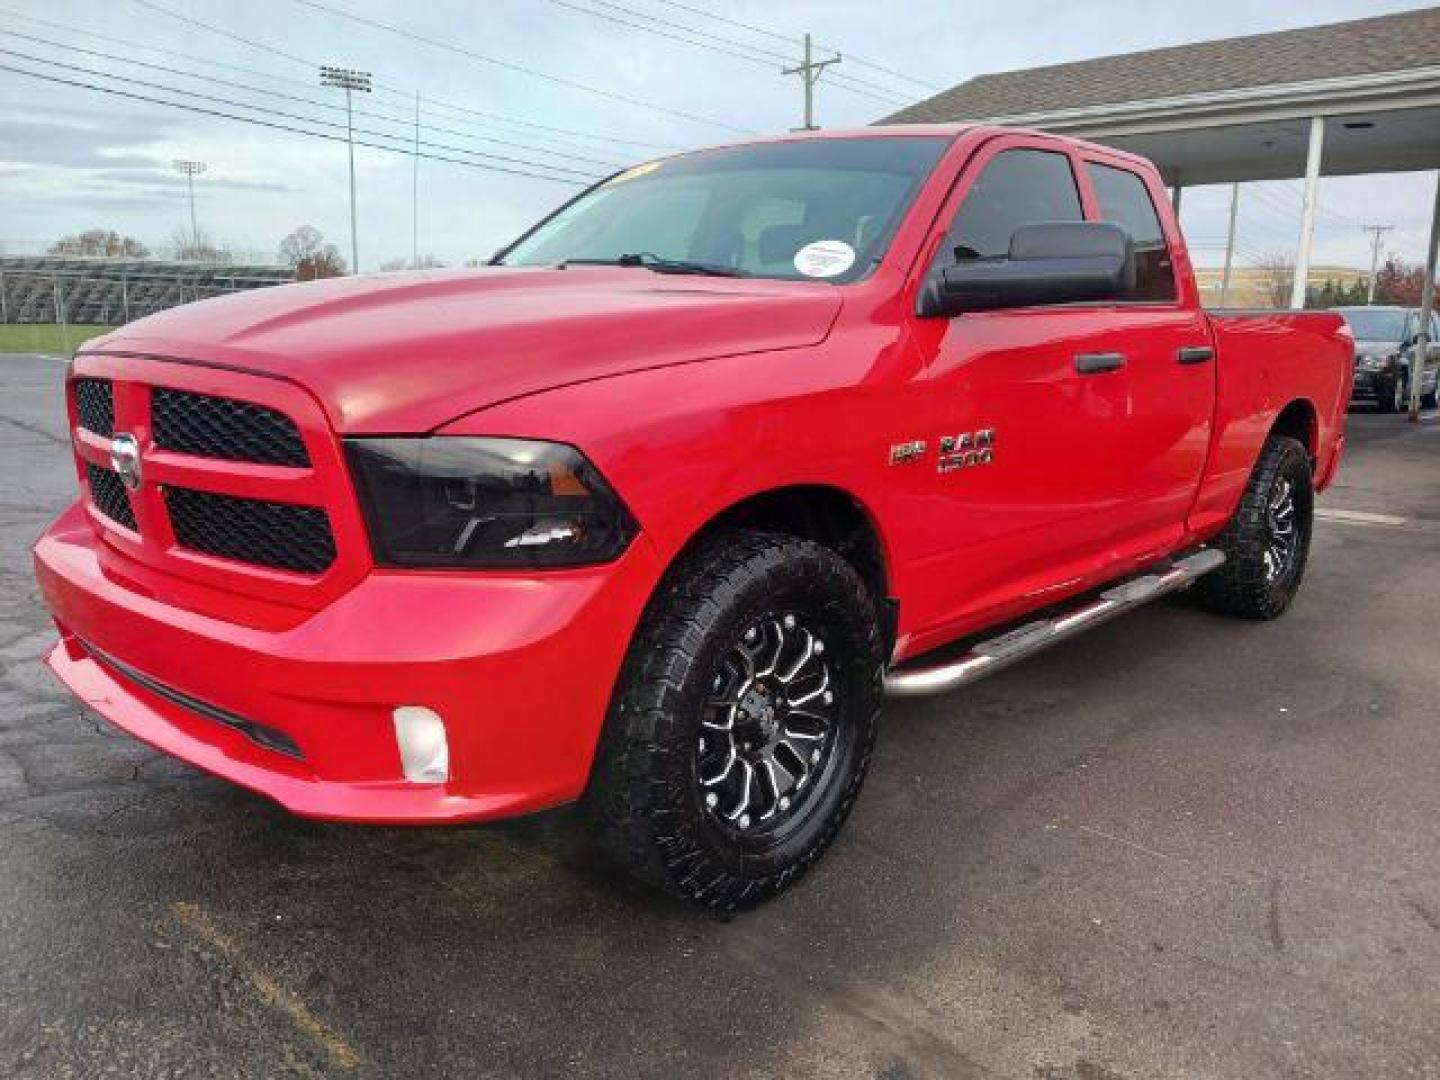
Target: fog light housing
point(424, 748)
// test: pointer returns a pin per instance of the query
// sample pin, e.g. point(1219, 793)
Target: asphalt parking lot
point(1177, 846)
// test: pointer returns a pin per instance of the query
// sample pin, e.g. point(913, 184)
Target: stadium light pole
point(191, 169)
point(349, 80)
point(415, 194)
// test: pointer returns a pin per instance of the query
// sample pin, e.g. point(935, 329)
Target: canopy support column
point(1427, 308)
point(1307, 214)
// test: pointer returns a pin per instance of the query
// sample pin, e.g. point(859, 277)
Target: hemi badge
point(904, 452)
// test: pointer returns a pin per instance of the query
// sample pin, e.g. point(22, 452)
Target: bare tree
point(104, 242)
point(426, 262)
point(1275, 275)
point(306, 252)
point(197, 246)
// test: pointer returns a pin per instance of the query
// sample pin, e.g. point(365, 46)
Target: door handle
point(1097, 363)
point(1195, 354)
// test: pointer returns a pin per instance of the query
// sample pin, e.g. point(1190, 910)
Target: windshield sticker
point(635, 172)
point(825, 258)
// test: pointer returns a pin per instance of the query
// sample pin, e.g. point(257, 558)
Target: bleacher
point(111, 291)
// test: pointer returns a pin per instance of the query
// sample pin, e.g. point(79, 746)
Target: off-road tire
point(643, 797)
point(1244, 587)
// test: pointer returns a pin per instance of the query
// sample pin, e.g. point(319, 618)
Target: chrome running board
point(993, 654)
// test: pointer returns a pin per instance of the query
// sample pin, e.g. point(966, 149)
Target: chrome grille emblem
point(125, 458)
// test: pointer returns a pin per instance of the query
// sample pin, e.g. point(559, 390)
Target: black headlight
point(479, 502)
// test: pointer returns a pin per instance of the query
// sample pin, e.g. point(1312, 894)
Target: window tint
point(754, 207)
point(1125, 201)
point(1018, 187)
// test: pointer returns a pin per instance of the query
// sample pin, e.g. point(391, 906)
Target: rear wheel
point(1267, 542)
point(743, 722)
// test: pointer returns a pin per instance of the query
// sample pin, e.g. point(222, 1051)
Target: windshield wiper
point(650, 261)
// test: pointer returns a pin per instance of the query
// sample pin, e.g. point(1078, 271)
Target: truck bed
point(1270, 361)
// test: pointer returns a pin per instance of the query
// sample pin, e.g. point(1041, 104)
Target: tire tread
point(638, 820)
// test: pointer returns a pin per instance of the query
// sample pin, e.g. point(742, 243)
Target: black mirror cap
point(1057, 262)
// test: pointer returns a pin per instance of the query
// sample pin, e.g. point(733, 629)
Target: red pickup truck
point(655, 509)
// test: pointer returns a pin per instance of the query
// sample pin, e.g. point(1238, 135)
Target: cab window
point(1125, 201)
point(1018, 187)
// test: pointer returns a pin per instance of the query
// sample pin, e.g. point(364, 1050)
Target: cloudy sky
point(554, 91)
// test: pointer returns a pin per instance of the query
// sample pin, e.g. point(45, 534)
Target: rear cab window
point(1124, 200)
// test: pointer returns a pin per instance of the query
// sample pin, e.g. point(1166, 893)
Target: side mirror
point(1058, 262)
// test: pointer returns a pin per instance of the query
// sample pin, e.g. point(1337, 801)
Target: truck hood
point(407, 353)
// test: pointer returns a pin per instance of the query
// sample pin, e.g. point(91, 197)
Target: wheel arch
point(824, 514)
point(1299, 420)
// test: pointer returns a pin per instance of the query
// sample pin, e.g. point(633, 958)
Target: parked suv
point(650, 512)
point(1385, 343)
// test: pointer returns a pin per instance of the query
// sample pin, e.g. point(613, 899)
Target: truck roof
point(944, 131)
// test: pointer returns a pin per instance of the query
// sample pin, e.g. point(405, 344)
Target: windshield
point(806, 209)
point(1376, 324)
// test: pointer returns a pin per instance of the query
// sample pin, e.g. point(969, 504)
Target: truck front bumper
point(518, 667)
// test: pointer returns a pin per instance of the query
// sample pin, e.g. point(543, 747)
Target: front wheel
point(1267, 542)
point(743, 722)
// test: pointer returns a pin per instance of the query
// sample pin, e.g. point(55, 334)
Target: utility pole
point(810, 72)
point(415, 194)
point(1379, 231)
point(349, 80)
point(191, 169)
point(1230, 244)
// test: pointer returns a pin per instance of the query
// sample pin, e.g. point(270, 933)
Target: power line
point(560, 134)
point(1293, 187)
point(274, 50)
point(211, 79)
point(277, 126)
point(507, 65)
point(566, 135)
point(725, 46)
point(292, 116)
point(787, 38)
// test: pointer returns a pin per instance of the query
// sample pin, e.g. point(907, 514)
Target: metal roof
point(1374, 46)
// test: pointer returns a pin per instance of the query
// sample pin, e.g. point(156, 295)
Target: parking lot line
point(1359, 517)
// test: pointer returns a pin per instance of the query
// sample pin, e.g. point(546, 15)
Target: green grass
point(46, 337)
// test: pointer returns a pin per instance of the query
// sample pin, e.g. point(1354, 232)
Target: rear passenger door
point(1171, 371)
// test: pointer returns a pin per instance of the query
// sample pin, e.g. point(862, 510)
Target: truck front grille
point(109, 496)
point(279, 535)
point(95, 405)
point(242, 481)
point(221, 427)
